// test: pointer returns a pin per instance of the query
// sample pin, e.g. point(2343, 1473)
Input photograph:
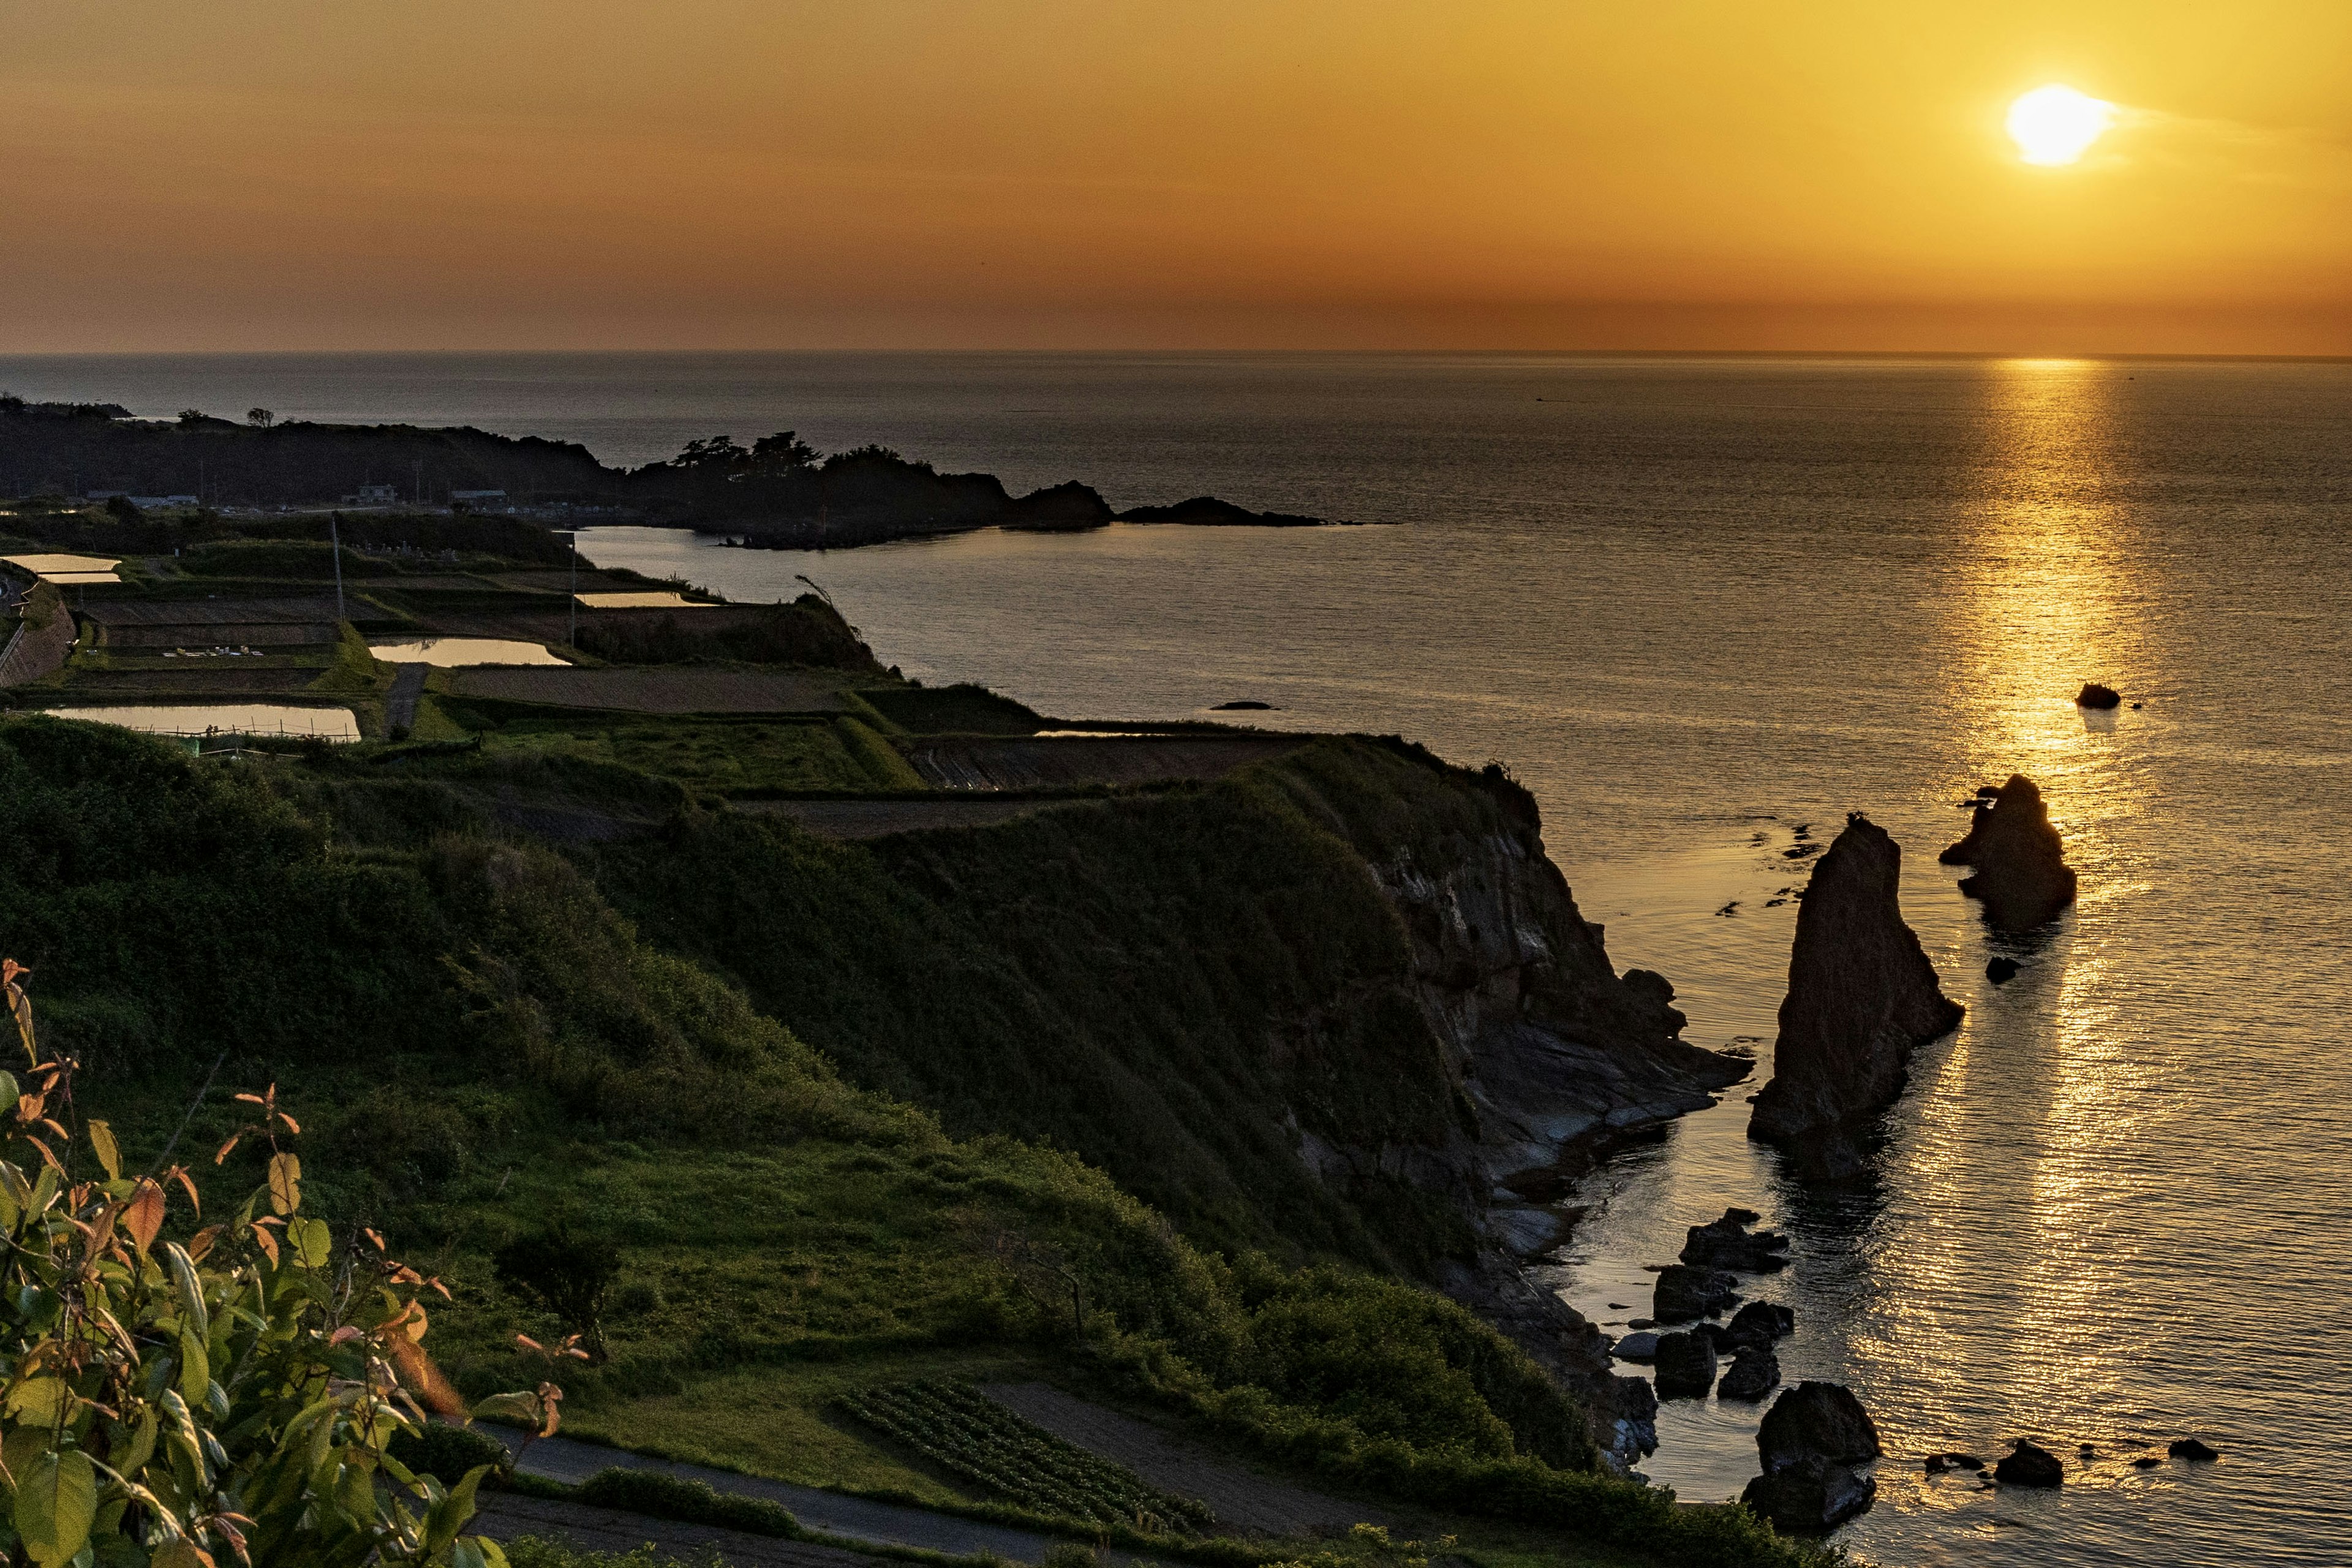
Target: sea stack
point(2022, 877)
point(1861, 998)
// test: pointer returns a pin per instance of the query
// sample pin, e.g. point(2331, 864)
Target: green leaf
point(133, 1460)
point(450, 1514)
point(191, 1293)
point(313, 1243)
point(101, 1138)
point(195, 1367)
point(35, 1401)
point(57, 1499)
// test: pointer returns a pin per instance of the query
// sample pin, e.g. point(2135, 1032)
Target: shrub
point(665, 1496)
point(449, 1452)
point(569, 1272)
point(244, 1388)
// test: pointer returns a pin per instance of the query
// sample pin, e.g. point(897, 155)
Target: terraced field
point(655, 689)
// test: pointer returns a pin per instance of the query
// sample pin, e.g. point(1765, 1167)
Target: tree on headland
point(261, 418)
point(773, 456)
point(193, 417)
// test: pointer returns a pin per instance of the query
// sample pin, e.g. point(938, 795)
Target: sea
point(1705, 608)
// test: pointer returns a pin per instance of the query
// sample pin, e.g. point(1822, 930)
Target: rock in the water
point(1939, 1463)
point(1812, 1498)
point(2021, 862)
point(2001, 971)
point(1753, 1374)
point(1811, 1442)
point(2190, 1448)
point(1727, 1243)
point(1685, 1365)
point(1244, 706)
point(1683, 1293)
point(2146, 1462)
point(1636, 1347)
point(1861, 998)
point(2094, 695)
point(1820, 1420)
point(2028, 1464)
point(1759, 1325)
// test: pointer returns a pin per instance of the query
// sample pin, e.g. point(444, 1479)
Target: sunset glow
point(1044, 173)
point(2052, 125)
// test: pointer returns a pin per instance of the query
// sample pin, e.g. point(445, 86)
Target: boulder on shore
point(1862, 997)
point(1685, 1367)
point(2022, 877)
point(1727, 1243)
point(1683, 1293)
point(1753, 1374)
point(2029, 1464)
point(1812, 1443)
point(1641, 1347)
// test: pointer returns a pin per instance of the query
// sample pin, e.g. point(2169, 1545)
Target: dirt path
point(1243, 1499)
point(400, 703)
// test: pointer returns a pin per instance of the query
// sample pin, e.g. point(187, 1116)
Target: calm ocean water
point(1695, 604)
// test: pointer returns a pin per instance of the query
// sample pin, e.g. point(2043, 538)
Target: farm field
point(841, 754)
point(1059, 761)
point(966, 1433)
point(657, 689)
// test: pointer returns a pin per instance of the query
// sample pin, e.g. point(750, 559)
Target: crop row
point(971, 1436)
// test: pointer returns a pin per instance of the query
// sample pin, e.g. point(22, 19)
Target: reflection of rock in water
point(2021, 862)
point(1861, 998)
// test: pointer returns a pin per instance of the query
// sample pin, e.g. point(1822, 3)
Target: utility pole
point(573, 597)
point(335, 548)
point(419, 467)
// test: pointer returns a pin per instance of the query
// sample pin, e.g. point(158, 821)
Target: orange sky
point(1735, 174)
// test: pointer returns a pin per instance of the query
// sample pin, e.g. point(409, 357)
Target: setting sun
point(2056, 124)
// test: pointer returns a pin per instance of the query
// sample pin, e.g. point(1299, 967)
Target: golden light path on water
point(2050, 590)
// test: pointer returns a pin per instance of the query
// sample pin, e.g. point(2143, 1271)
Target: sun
point(2056, 124)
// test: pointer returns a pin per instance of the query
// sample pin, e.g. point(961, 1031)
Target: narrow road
point(831, 1513)
point(503, 1516)
point(400, 703)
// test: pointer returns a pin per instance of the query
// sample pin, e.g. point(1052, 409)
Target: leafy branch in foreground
point(165, 1404)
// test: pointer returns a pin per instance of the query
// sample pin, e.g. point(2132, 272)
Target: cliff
point(1862, 997)
point(1340, 1004)
point(2022, 877)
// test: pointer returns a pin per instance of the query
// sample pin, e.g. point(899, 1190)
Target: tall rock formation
point(2021, 862)
point(1861, 998)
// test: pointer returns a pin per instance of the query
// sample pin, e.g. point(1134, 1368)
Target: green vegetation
point(676, 1496)
point(1111, 975)
point(985, 1443)
point(953, 710)
point(722, 755)
point(169, 1404)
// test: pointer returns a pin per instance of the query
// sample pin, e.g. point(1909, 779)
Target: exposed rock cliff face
point(2021, 871)
point(1861, 998)
point(1555, 1057)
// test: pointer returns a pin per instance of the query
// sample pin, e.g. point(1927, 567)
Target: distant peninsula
point(777, 493)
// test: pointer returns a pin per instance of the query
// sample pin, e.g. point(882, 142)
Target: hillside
point(1171, 1068)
